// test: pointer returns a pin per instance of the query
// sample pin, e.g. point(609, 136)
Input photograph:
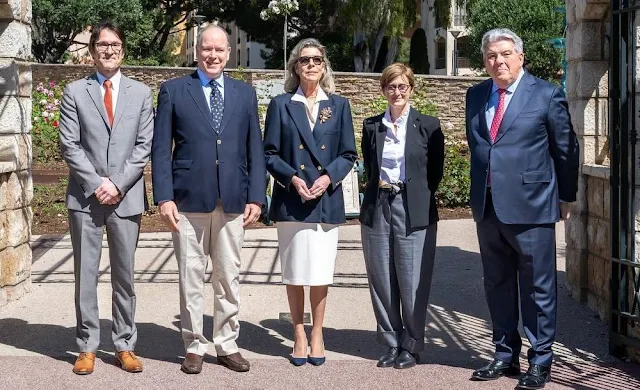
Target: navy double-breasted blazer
point(194, 165)
point(291, 148)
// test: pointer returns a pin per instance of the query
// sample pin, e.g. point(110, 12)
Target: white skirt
point(307, 252)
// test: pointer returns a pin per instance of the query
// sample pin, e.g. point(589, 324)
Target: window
point(248, 57)
point(460, 14)
point(238, 59)
point(441, 58)
point(464, 49)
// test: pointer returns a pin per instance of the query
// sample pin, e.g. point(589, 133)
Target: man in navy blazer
point(209, 181)
point(524, 171)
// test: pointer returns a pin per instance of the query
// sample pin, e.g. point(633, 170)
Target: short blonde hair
point(395, 70)
point(293, 80)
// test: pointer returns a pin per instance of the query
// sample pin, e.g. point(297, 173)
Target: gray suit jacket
point(93, 149)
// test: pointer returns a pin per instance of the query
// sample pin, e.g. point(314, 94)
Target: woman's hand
point(320, 186)
point(302, 188)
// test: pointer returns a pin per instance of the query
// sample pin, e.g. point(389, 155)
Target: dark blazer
point(535, 158)
point(424, 165)
point(204, 165)
point(291, 148)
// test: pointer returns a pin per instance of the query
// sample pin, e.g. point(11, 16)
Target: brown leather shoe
point(129, 361)
point(192, 364)
point(84, 363)
point(234, 362)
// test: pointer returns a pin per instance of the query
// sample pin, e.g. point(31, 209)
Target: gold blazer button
point(302, 167)
point(300, 147)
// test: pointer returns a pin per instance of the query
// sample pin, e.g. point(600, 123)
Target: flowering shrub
point(46, 99)
point(279, 7)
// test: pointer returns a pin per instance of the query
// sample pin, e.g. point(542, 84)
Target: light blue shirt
point(492, 104)
point(206, 87)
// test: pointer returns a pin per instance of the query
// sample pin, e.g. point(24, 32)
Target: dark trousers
point(519, 259)
point(399, 265)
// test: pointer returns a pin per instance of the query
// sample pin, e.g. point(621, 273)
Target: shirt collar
point(115, 80)
point(512, 88)
point(400, 120)
point(299, 96)
point(205, 80)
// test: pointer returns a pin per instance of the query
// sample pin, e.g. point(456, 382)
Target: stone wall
point(16, 190)
point(447, 93)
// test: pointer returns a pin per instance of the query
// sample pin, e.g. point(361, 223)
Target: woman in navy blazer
point(403, 154)
point(309, 148)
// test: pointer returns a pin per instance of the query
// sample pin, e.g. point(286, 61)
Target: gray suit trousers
point(399, 264)
point(86, 238)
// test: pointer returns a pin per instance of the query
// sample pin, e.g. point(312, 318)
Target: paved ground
point(37, 337)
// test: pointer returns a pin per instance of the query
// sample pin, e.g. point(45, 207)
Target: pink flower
point(45, 91)
point(52, 84)
point(50, 94)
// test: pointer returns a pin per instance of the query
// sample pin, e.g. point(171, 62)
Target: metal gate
point(625, 269)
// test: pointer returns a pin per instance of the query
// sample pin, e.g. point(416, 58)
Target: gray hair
point(211, 26)
point(501, 34)
point(293, 80)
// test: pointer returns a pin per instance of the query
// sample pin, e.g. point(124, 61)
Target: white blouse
point(312, 111)
point(392, 168)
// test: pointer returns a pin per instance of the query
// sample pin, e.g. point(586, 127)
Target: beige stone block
point(581, 205)
point(15, 152)
point(606, 200)
point(576, 232)
point(595, 196)
point(16, 190)
point(595, 149)
point(15, 227)
point(598, 236)
point(15, 41)
point(585, 10)
point(584, 41)
point(588, 79)
point(25, 152)
point(590, 116)
point(16, 115)
point(16, 265)
point(577, 270)
point(599, 271)
point(16, 77)
point(26, 11)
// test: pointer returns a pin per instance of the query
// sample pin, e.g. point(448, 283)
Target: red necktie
point(497, 118)
point(108, 103)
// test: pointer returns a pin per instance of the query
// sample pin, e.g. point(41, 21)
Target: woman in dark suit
point(309, 148)
point(403, 154)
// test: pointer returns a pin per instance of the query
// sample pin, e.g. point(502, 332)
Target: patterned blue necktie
point(217, 105)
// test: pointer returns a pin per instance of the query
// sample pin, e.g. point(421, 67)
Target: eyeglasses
point(104, 46)
point(317, 60)
point(402, 88)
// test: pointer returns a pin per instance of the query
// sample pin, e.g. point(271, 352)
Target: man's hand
point(320, 186)
point(302, 188)
point(565, 210)
point(169, 214)
point(252, 212)
point(108, 193)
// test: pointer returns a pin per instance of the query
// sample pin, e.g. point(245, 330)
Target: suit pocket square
point(536, 177)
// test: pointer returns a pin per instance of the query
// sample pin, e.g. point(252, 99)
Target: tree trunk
point(375, 49)
point(360, 51)
point(392, 51)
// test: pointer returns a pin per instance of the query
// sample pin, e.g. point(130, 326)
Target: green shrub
point(46, 98)
point(455, 184)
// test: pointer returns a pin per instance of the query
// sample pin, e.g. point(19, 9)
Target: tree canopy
point(535, 21)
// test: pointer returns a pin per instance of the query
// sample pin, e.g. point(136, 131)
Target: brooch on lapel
point(325, 114)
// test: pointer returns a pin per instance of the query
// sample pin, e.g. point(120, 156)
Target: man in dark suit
point(209, 181)
point(106, 127)
point(524, 171)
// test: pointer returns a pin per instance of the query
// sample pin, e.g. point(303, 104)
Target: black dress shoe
point(495, 370)
point(406, 359)
point(389, 358)
point(535, 378)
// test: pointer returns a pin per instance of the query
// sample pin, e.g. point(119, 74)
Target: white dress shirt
point(312, 111)
point(392, 168)
point(115, 88)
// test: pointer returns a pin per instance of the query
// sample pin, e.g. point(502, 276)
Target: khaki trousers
point(219, 236)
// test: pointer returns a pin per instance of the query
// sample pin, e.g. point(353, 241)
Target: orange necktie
point(108, 103)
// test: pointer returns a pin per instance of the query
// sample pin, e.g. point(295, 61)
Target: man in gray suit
point(106, 128)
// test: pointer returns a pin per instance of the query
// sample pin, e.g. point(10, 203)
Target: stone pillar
point(588, 266)
point(16, 189)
